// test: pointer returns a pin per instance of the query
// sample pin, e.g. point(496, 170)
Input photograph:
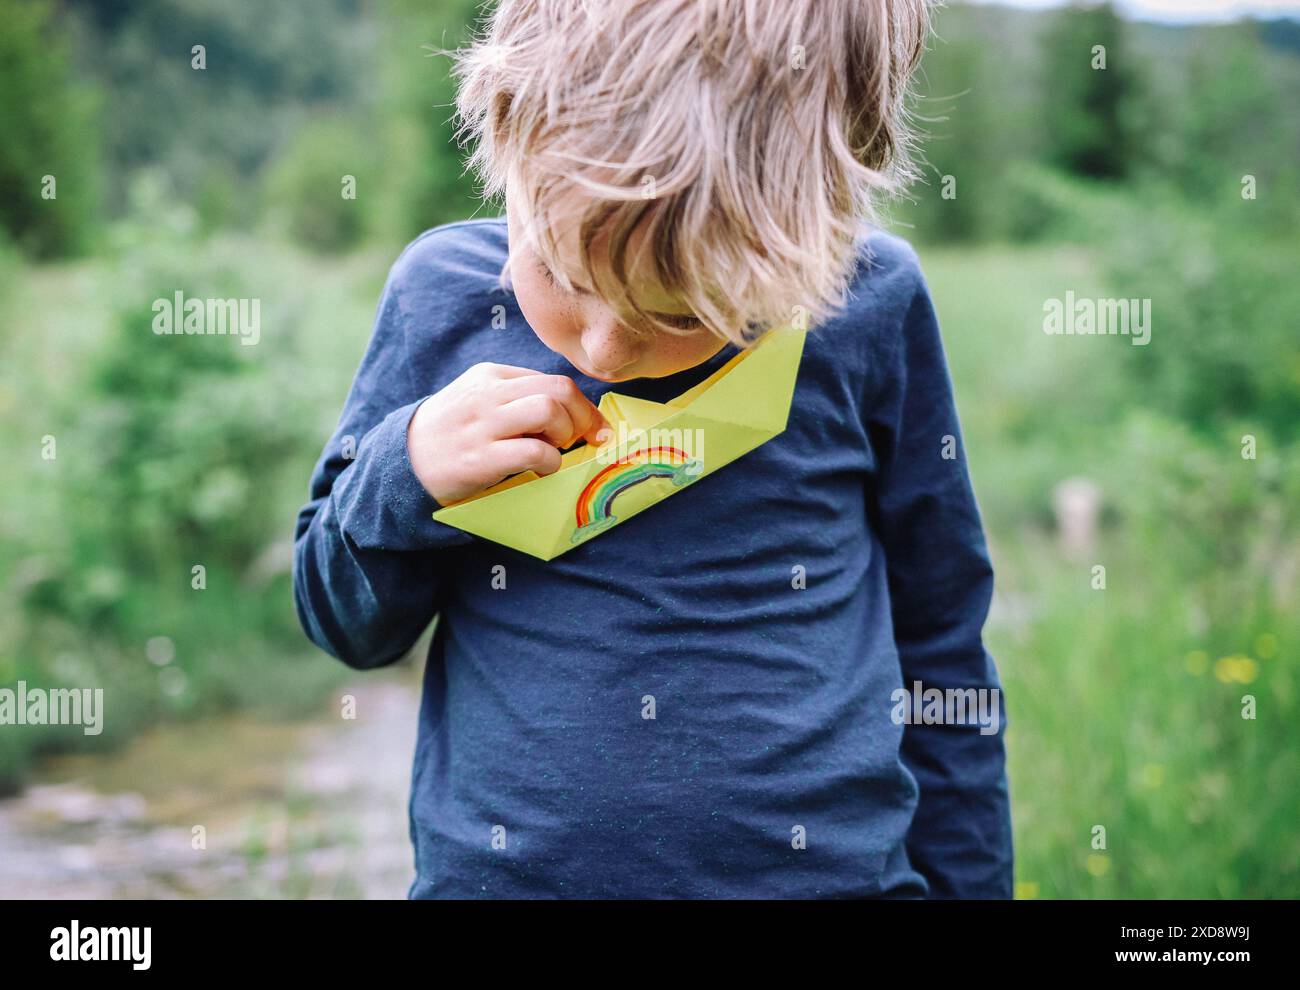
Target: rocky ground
point(231, 807)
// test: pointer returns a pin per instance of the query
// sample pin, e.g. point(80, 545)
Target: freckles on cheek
point(679, 353)
point(551, 319)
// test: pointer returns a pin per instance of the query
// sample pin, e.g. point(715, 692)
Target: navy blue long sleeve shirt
point(701, 702)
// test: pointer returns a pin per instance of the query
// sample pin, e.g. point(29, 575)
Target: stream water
point(227, 807)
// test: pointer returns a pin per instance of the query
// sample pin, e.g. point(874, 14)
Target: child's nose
point(610, 347)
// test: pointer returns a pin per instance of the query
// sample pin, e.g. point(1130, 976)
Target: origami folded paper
point(657, 448)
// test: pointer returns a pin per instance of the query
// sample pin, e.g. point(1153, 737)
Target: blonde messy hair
point(746, 139)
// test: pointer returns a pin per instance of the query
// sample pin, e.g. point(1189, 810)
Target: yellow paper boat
point(656, 449)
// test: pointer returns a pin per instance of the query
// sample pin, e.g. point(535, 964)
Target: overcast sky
point(1181, 10)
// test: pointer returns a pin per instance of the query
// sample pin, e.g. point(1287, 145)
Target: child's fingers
point(535, 414)
point(490, 369)
point(587, 420)
point(517, 454)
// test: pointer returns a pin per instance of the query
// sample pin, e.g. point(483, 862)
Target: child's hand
point(494, 421)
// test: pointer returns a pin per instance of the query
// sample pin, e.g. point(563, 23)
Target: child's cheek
point(551, 320)
point(674, 352)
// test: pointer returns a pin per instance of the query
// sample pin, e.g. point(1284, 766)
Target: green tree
point(1088, 88)
point(48, 155)
point(430, 176)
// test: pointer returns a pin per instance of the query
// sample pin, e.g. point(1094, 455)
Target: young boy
point(703, 701)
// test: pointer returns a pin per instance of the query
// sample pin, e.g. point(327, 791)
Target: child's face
point(584, 330)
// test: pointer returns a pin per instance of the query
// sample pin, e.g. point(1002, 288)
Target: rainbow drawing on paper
point(594, 508)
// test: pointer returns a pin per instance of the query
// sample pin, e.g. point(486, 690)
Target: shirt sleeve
point(367, 552)
point(941, 584)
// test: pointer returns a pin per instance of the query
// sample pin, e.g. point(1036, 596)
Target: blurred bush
point(1226, 297)
point(174, 453)
point(316, 185)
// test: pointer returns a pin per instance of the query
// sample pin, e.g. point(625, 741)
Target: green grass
point(1124, 704)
